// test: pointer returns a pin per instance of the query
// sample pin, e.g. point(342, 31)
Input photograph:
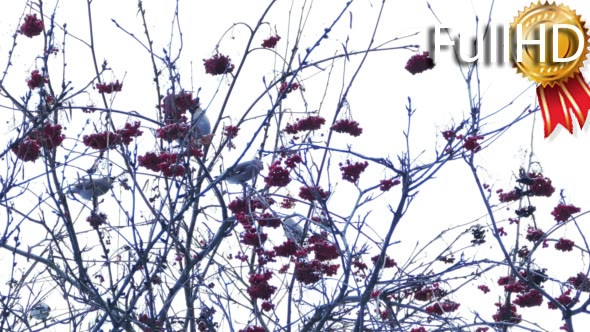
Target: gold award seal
point(549, 44)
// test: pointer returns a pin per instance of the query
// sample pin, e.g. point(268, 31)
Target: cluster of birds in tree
point(92, 187)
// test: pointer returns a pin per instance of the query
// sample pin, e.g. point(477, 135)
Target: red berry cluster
point(109, 88)
point(385, 185)
point(428, 293)
point(449, 134)
point(347, 126)
point(540, 186)
point(293, 160)
point(277, 175)
point(485, 289)
point(309, 123)
point(564, 299)
point(419, 63)
point(507, 313)
point(259, 286)
point(535, 184)
point(287, 88)
point(97, 219)
point(532, 298)
point(251, 241)
point(439, 308)
point(352, 172)
point(512, 285)
point(253, 329)
point(32, 26)
point(526, 296)
point(325, 251)
point(152, 324)
point(109, 140)
point(471, 143)
point(37, 80)
point(310, 272)
point(267, 220)
point(313, 193)
point(510, 196)
point(288, 203)
point(245, 212)
point(170, 164)
point(173, 131)
point(271, 41)
point(288, 248)
point(418, 329)
point(389, 262)
point(27, 150)
point(49, 137)
point(267, 306)
point(534, 234)
point(175, 105)
point(101, 141)
point(580, 281)
point(231, 131)
point(564, 244)
point(218, 64)
point(245, 206)
point(562, 212)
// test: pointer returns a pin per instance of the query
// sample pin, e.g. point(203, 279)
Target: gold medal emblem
point(548, 72)
point(549, 44)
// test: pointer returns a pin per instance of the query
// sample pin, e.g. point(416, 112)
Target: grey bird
point(293, 231)
point(40, 311)
point(243, 172)
point(200, 126)
point(89, 188)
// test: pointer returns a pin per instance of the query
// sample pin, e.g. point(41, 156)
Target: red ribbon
point(559, 100)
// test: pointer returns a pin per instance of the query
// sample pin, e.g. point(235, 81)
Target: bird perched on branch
point(243, 172)
point(40, 311)
point(89, 188)
point(239, 174)
point(293, 231)
point(200, 130)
